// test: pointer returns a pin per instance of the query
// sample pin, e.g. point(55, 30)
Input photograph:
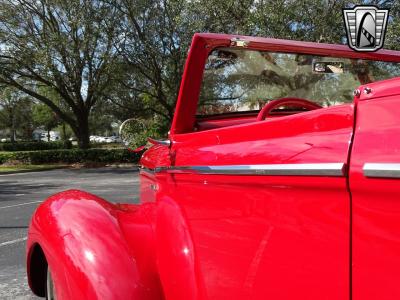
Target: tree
point(129, 54)
point(156, 38)
point(44, 116)
point(15, 113)
point(157, 35)
point(62, 45)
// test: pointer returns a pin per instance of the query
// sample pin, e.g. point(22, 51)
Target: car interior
point(242, 86)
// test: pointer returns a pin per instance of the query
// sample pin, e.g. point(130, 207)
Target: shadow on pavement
point(13, 188)
point(104, 170)
point(13, 227)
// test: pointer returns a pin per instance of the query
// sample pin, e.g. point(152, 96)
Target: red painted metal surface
point(376, 206)
point(260, 237)
point(96, 250)
point(206, 237)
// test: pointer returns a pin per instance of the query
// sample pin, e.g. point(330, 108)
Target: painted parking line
point(13, 242)
point(15, 205)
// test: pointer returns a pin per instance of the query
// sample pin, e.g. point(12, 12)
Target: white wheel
point(50, 294)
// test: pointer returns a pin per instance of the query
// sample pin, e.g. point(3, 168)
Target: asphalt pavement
point(21, 193)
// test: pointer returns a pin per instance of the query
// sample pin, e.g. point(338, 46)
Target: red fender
point(176, 258)
point(95, 249)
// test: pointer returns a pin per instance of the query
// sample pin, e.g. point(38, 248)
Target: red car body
point(303, 206)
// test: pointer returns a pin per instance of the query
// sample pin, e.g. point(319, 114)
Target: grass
point(27, 168)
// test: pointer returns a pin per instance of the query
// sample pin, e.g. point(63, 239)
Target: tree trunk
point(82, 132)
point(64, 137)
point(13, 131)
point(48, 135)
point(13, 135)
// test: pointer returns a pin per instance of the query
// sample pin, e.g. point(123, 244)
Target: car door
point(267, 207)
point(375, 188)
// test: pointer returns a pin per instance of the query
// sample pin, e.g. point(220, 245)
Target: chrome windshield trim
point(312, 169)
point(382, 170)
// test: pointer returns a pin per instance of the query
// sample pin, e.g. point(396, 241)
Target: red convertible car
point(279, 180)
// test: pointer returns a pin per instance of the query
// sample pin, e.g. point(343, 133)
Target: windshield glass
point(244, 80)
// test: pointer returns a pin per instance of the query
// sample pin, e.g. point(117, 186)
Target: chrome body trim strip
point(312, 169)
point(382, 170)
point(159, 142)
point(147, 170)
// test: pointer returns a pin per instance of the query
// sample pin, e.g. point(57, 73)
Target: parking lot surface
point(21, 193)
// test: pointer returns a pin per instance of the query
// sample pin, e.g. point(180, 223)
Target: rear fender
point(87, 251)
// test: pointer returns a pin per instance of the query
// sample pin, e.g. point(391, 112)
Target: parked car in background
point(108, 139)
point(104, 139)
point(93, 138)
point(50, 136)
point(278, 180)
point(113, 139)
point(100, 139)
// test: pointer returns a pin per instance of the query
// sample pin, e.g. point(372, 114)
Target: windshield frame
point(203, 44)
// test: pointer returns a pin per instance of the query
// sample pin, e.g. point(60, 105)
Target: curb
point(34, 171)
point(117, 166)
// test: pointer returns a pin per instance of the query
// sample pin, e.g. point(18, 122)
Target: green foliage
point(105, 145)
point(136, 131)
point(32, 146)
point(60, 50)
point(70, 156)
point(15, 113)
point(6, 156)
point(101, 120)
point(92, 61)
point(44, 116)
point(65, 131)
